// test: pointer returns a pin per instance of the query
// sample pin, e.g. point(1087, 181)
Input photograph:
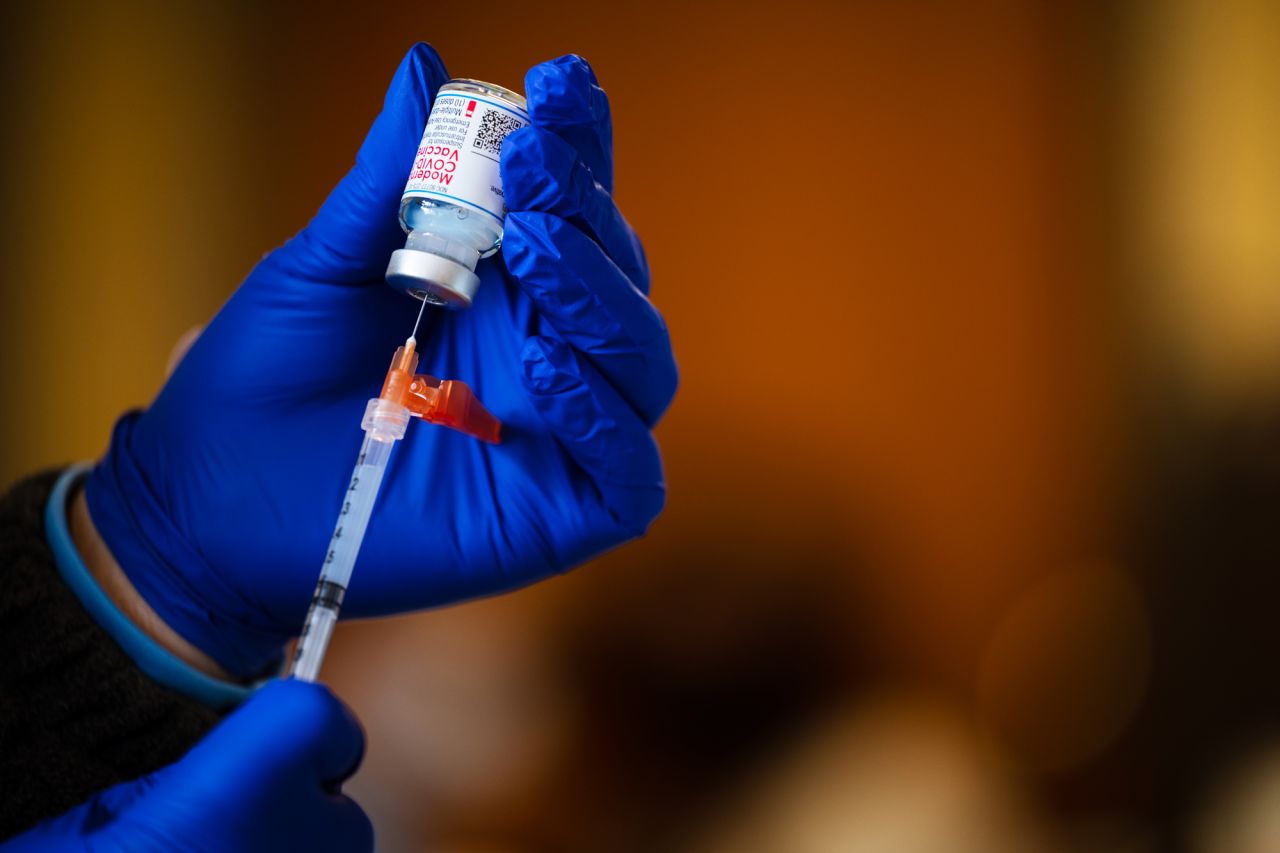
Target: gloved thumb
point(288, 729)
point(350, 239)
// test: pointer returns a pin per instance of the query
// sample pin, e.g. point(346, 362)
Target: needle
point(413, 338)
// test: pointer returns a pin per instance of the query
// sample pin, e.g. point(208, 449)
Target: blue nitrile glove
point(267, 778)
point(219, 500)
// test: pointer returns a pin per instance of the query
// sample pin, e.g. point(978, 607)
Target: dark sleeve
point(76, 715)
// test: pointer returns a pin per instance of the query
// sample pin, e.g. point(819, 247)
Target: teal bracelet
point(152, 658)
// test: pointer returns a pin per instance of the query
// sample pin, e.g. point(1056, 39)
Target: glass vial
point(452, 207)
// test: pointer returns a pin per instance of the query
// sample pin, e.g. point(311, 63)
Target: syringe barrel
point(314, 641)
point(357, 506)
point(384, 423)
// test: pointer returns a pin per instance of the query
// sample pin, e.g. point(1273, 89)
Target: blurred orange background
point(957, 291)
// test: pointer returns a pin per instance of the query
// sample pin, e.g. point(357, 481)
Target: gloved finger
point(594, 307)
point(347, 827)
point(328, 733)
point(356, 230)
point(565, 98)
point(540, 171)
point(286, 726)
point(599, 430)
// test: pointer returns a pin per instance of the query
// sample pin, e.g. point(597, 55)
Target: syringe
point(386, 418)
point(385, 422)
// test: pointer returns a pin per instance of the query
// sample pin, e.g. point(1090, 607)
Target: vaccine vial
point(452, 207)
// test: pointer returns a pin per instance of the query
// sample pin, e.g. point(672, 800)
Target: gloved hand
point(219, 500)
point(267, 778)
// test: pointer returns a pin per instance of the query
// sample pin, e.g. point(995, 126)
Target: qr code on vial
point(495, 127)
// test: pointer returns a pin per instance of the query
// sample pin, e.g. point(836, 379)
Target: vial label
point(457, 159)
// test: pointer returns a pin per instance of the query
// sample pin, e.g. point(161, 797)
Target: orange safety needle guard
point(447, 402)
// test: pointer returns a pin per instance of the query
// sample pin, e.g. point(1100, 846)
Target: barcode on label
point(495, 126)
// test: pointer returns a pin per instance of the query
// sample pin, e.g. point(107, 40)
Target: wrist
point(112, 580)
point(151, 658)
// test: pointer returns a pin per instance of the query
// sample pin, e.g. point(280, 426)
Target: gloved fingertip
point(425, 66)
point(355, 230)
point(323, 726)
point(575, 63)
point(565, 91)
point(565, 98)
point(355, 831)
point(548, 367)
point(419, 74)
